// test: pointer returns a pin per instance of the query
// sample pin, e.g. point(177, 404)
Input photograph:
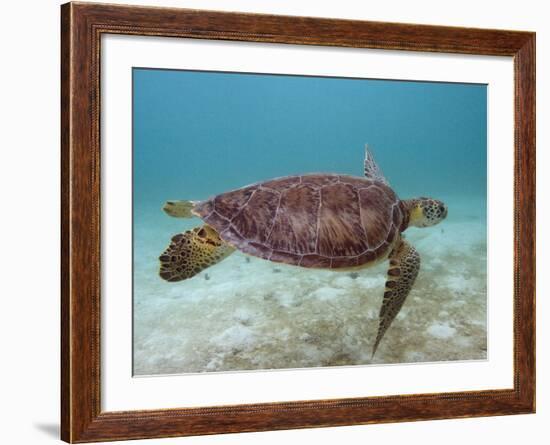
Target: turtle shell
point(317, 220)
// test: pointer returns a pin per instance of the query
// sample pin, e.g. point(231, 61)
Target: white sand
point(252, 314)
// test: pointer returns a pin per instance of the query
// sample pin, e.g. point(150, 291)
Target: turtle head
point(425, 212)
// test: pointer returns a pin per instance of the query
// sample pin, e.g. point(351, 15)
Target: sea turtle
point(318, 220)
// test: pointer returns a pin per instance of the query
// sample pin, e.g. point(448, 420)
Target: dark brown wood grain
point(81, 28)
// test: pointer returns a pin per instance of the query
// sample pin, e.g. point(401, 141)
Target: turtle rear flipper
point(404, 266)
point(191, 252)
point(179, 209)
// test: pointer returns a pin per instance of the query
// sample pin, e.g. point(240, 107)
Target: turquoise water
point(197, 134)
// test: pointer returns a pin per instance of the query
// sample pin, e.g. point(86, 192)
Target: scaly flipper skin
point(191, 252)
point(404, 266)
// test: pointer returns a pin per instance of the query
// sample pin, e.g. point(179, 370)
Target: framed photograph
point(275, 222)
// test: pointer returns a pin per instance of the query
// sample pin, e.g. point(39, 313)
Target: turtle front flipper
point(404, 266)
point(191, 252)
point(372, 171)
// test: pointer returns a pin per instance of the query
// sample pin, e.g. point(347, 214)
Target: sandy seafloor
point(246, 313)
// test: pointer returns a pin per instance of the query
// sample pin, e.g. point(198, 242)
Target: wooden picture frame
point(82, 25)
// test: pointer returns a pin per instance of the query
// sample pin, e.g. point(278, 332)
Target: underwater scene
point(376, 262)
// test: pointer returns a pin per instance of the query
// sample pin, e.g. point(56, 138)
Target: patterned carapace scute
point(317, 220)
